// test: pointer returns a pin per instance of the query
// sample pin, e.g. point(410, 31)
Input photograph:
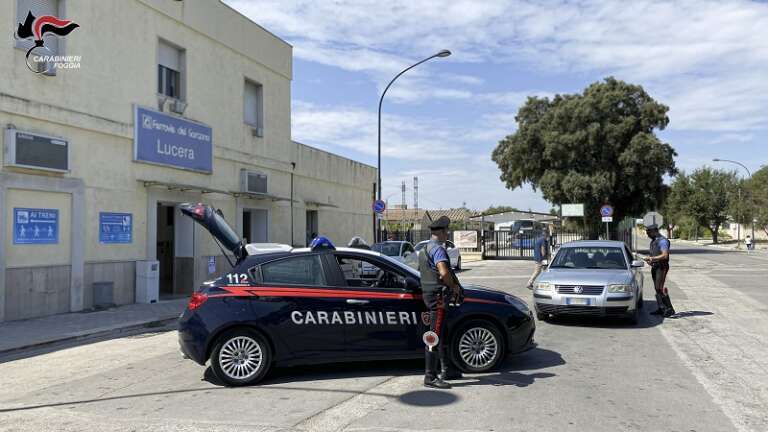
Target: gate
point(506, 244)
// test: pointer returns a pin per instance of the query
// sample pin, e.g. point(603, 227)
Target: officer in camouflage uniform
point(439, 287)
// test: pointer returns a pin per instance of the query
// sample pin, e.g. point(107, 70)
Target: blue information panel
point(35, 226)
point(164, 139)
point(115, 228)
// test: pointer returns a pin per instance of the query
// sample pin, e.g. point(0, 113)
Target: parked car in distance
point(454, 254)
point(402, 251)
point(595, 278)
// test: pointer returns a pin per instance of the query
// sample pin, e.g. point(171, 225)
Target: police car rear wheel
point(241, 357)
point(479, 346)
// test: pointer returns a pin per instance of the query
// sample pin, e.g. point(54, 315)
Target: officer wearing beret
point(658, 258)
point(439, 286)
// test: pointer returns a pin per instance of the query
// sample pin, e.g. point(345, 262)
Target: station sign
point(164, 139)
point(35, 226)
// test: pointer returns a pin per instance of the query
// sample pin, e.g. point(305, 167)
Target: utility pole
point(416, 193)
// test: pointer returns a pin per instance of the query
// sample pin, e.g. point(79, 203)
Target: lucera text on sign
point(164, 139)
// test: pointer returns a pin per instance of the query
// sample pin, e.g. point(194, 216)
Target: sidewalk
point(759, 249)
point(35, 332)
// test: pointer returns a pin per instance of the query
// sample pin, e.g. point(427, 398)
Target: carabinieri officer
point(658, 258)
point(436, 279)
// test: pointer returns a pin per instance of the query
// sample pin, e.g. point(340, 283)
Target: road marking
point(727, 352)
point(341, 415)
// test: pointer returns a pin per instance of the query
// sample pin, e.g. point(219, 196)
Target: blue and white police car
point(288, 306)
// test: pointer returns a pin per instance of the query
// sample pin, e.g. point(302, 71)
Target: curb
point(94, 334)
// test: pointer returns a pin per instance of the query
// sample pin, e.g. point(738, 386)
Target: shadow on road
point(645, 321)
point(688, 314)
point(507, 374)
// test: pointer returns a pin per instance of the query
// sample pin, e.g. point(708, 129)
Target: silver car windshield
point(590, 257)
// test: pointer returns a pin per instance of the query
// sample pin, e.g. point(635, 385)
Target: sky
point(707, 61)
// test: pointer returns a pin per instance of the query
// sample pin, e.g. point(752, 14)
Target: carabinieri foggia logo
point(37, 28)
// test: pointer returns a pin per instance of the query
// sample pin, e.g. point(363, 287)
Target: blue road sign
point(35, 226)
point(379, 206)
point(115, 228)
point(164, 139)
point(606, 211)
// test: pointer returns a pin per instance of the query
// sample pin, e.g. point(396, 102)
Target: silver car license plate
point(577, 301)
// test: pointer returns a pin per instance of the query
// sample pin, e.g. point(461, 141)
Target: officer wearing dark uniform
point(659, 260)
point(439, 287)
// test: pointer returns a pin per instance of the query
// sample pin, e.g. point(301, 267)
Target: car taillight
point(196, 300)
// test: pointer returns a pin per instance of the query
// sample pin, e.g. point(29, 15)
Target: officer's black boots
point(431, 378)
point(669, 310)
point(661, 306)
point(448, 370)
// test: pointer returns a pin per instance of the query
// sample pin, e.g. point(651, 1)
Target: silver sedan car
point(597, 278)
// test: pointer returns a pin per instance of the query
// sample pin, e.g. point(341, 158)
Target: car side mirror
point(406, 253)
point(638, 263)
point(412, 283)
point(545, 263)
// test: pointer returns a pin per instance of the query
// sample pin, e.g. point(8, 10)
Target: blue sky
point(708, 61)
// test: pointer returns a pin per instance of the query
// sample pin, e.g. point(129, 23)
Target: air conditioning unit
point(32, 150)
point(178, 106)
point(257, 132)
point(253, 182)
point(161, 100)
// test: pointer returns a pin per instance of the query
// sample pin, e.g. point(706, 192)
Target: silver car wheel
point(241, 358)
point(478, 347)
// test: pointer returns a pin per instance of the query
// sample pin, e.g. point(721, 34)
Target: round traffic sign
point(606, 211)
point(379, 206)
point(653, 218)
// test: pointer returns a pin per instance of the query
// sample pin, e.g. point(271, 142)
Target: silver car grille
point(580, 289)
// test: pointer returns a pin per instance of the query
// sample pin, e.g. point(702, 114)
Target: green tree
point(757, 188)
point(499, 209)
point(675, 208)
point(710, 198)
point(595, 147)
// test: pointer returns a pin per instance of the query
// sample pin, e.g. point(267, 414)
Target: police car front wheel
point(478, 346)
point(240, 357)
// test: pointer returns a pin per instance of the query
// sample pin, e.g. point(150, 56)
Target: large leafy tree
point(757, 188)
point(711, 196)
point(595, 147)
point(675, 208)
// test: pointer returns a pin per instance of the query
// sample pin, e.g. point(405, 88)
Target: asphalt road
point(703, 372)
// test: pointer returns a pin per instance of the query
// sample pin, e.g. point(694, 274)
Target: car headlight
point(544, 287)
point(516, 302)
point(620, 288)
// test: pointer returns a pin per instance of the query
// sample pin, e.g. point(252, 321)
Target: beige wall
point(93, 108)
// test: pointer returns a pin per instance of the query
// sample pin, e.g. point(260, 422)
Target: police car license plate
point(577, 301)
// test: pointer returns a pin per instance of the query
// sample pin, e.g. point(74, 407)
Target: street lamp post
point(750, 176)
point(443, 53)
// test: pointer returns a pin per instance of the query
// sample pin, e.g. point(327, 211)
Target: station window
point(253, 109)
point(170, 68)
point(38, 8)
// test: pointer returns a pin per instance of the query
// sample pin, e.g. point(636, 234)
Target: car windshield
point(589, 257)
point(420, 246)
point(388, 249)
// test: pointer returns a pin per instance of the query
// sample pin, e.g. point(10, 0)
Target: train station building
point(140, 106)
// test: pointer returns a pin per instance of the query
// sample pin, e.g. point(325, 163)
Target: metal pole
point(293, 167)
point(443, 53)
point(749, 173)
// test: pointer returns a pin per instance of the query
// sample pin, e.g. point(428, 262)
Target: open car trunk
point(212, 220)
